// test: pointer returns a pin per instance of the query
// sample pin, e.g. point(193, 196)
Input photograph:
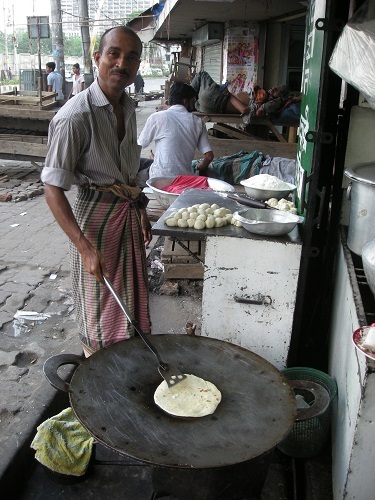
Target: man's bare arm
point(203, 165)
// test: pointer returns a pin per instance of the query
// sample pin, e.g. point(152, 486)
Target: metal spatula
point(169, 372)
point(243, 199)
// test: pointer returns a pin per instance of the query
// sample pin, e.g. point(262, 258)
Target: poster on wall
point(242, 59)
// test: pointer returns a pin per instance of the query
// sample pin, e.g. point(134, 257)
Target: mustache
point(122, 72)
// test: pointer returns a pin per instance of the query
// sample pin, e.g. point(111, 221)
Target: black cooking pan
point(112, 391)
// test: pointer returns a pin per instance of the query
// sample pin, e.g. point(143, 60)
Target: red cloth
point(182, 182)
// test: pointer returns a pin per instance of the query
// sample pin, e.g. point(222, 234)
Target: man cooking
point(93, 144)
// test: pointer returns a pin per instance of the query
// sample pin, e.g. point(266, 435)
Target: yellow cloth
point(63, 445)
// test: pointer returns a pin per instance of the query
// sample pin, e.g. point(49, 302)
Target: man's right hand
point(93, 260)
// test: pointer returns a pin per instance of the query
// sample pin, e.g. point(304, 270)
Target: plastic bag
point(353, 57)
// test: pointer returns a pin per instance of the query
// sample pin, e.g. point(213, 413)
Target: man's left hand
point(146, 228)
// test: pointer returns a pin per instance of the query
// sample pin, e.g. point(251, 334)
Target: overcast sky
point(22, 9)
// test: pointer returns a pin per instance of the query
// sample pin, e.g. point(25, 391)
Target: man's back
point(177, 134)
point(56, 81)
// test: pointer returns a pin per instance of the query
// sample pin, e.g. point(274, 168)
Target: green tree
point(2, 44)
point(73, 46)
point(27, 45)
point(134, 14)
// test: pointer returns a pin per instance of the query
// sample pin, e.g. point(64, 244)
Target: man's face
point(48, 70)
point(274, 92)
point(75, 70)
point(261, 96)
point(119, 61)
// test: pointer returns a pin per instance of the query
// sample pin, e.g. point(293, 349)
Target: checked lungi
point(113, 226)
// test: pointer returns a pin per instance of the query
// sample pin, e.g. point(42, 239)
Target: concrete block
point(169, 288)
point(13, 374)
point(7, 358)
point(6, 317)
point(14, 302)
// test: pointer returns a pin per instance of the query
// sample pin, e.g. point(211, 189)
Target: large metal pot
point(368, 261)
point(361, 192)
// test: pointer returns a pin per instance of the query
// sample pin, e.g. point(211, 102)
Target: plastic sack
point(282, 168)
point(353, 57)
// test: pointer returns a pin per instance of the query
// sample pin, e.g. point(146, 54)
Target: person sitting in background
point(139, 84)
point(177, 133)
point(54, 82)
point(78, 81)
point(214, 98)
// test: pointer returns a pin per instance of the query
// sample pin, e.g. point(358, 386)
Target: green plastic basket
point(308, 437)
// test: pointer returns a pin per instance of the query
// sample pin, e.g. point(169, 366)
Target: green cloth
point(236, 167)
point(63, 445)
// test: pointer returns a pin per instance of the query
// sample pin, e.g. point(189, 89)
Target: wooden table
point(225, 147)
point(223, 122)
point(249, 281)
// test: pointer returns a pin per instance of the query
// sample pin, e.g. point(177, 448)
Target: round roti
point(192, 397)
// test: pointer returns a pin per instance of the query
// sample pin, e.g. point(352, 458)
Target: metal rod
point(188, 251)
point(133, 322)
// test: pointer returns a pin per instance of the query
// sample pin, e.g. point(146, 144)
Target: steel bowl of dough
point(165, 199)
point(272, 188)
point(267, 222)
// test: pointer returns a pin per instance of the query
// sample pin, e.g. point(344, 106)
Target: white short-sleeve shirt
point(177, 134)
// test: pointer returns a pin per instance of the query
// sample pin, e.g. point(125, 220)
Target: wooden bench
point(29, 99)
point(226, 120)
point(15, 144)
point(225, 147)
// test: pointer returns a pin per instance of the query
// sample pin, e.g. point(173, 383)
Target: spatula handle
point(248, 201)
point(133, 321)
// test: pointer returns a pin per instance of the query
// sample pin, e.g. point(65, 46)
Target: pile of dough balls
point(201, 216)
point(284, 205)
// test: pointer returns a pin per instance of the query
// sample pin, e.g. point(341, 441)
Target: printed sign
point(310, 100)
point(242, 58)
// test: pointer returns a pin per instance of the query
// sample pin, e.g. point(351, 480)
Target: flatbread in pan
point(192, 397)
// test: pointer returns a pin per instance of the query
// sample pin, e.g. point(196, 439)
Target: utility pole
point(15, 45)
point(5, 40)
point(57, 38)
point(83, 13)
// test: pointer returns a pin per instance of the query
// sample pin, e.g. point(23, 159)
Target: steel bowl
point(267, 222)
point(266, 194)
point(166, 199)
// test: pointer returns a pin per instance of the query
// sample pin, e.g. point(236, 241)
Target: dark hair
point(180, 91)
point(76, 65)
point(51, 65)
point(126, 30)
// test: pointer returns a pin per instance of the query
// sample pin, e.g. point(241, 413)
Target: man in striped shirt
point(93, 144)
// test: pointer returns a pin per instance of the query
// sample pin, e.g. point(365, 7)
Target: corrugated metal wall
point(212, 60)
